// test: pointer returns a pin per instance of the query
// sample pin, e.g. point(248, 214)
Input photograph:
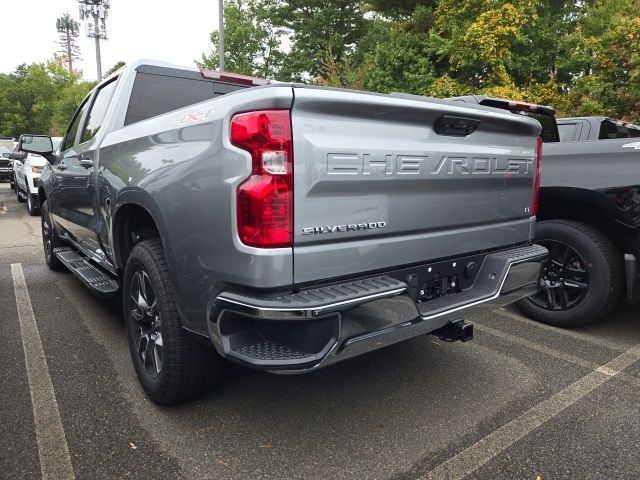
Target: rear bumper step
point(320, 326)
point(94, 278)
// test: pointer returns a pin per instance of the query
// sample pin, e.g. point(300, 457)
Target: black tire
point(50, 239)
point(12, 182)
point(186, 367)
point(592, 258)
point(18, 197)
point(32, 204)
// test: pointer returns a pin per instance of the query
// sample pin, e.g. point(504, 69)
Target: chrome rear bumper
point(315, 328)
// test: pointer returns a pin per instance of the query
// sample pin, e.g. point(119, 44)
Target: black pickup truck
point(588, 215)
point(575, 129)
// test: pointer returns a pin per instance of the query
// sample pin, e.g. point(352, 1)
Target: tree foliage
point(39, 98)
point(580, 57)
point(116, 66)
point(252, 39)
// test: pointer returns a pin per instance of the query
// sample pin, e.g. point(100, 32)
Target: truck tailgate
point(381, 182)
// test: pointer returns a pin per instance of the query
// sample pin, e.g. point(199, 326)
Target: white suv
point(27, 175)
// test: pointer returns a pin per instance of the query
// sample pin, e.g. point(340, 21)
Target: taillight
point(536, 180)
point(265, 199)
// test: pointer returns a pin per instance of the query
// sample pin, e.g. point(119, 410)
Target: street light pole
point(96, 33)
point(221, 33)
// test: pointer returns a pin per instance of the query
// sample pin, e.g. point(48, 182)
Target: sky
point(175, 32)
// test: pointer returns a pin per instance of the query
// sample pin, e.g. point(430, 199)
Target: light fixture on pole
point(96, 11)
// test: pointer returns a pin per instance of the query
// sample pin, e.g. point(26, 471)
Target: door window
point(70, 137)
point(98, 110)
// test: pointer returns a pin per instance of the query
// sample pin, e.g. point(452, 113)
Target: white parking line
point(534, 346)
point(554, 353)
point(481, 452)
point(561, 331)
point(55, 461)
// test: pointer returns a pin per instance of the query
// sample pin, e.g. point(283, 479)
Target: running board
point(95, 279)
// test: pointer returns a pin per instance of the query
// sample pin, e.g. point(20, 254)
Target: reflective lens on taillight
point(536, 180)
point(265, 199)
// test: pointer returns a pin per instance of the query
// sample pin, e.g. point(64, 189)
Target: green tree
point(25, 101)
point(38, 98)
point(318, 28)
point(580, 57)
point(606, 60)
point(399, 59)
point(116, 66)
point(252, 39)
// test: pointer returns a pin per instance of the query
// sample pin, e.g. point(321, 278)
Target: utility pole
point(96, 10)
point(221, 33)
point(68, 29)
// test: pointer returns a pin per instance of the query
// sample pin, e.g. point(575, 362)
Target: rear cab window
point(158, 90)
point(567, 131)
point(545, 116)
point(548, 122)
point(611, 129)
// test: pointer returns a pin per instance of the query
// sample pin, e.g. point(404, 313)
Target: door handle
point(86, 162)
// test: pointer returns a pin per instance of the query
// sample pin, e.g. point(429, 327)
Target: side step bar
point(95, 279)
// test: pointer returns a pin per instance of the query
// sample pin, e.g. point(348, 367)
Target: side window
point(154, 95)
point(70, 136)
point(98, 110)
point(566, 131)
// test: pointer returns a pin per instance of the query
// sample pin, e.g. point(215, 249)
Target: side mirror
point(16, 155)
point(40, 144)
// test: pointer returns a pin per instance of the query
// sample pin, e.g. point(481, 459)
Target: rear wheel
point(50, 239)
point(32, 204)
point(171, 366)
point(582, 280)
point(18, 196)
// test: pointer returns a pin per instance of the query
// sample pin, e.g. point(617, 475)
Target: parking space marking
point(555, 353)
point(561, 331)
point(481, 452)
point(53, 451)
point(534, 346)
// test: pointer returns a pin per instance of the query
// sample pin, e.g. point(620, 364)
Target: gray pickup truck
point(589, 214)
point(281, 226)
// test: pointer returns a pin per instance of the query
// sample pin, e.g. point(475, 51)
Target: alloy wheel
point(564, 280)
point(46, 236)
point(146, 324)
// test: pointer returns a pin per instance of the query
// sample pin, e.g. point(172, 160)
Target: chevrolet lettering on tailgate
point(354, 164)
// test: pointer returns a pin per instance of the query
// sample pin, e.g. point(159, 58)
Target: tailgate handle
point(456, 126)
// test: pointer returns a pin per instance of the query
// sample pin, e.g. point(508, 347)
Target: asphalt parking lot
point(521, 401)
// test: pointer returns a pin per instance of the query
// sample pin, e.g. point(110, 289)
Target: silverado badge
point(349, 227)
